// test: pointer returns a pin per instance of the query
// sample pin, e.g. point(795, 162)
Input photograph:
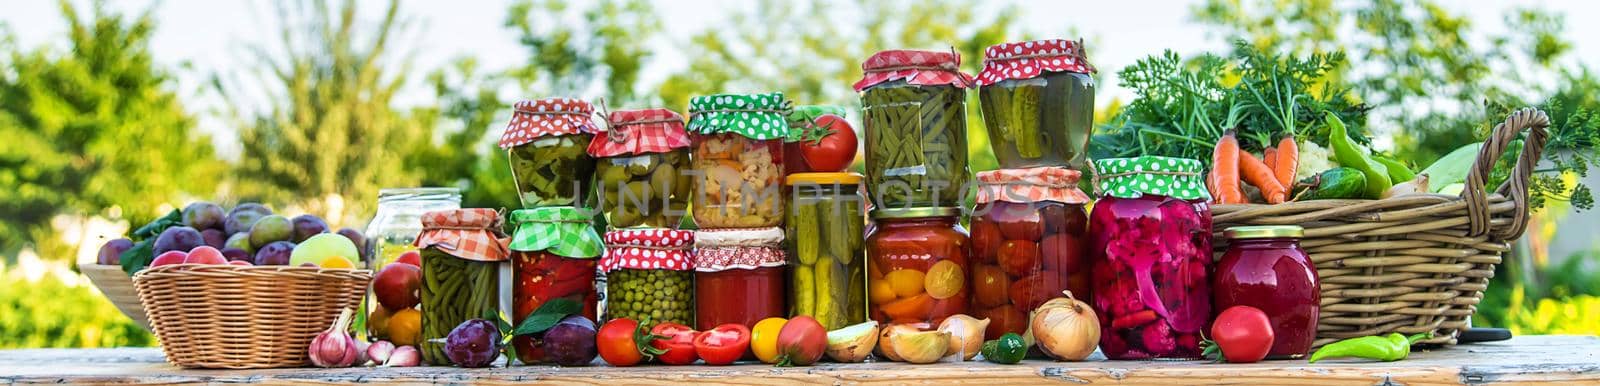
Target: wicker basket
point(244, 317)
point(117, 286)
point(1414, 263)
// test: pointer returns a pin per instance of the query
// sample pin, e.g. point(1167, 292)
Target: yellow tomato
point(906, 282)
point(337, 262)
point(945, 279)
point(881, 291)
point(764, 339)
point(405, 327)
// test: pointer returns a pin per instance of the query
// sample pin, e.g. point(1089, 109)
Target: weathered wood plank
point(1533, 359)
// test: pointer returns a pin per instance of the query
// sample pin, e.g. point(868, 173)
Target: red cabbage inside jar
point(1151, 246)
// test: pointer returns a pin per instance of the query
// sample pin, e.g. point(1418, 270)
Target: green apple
point(321, 247)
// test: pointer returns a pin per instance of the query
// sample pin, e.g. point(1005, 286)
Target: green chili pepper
point(1350, 156)
point(1398, 172)
point(1384, 348)
point(1008, 349)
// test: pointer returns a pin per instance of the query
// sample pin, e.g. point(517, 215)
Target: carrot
point(1256, 173)
point(1288, 160)
point(1211, 186)
point(1270, 156)
point(1225, 170)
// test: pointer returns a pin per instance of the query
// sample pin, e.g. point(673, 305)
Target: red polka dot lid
point(652, 248)
point(546, 117)
point(1026, 60)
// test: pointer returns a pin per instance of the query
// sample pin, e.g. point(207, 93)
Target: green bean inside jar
point(738, 156)
point(462, 250)
point(1037, 100)
point(914, 109)
point(649, 275)
point(642, 164)
point(547, 143)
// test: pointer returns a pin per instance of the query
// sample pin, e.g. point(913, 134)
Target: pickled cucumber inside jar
point(553, 171)
point(1043, 115)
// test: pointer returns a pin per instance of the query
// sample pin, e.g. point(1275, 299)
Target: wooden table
point(1532, 359)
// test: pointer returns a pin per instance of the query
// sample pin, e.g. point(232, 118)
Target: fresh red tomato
point(986, 239)
point(1243, 334)
point(830, 146)
point(623, 342)
point(722, 345)
point(678, 346)
point(1019, 257)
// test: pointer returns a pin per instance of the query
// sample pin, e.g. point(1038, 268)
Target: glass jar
point(917, 266)
point(649, 275)
point(738, 276)
point(547, 143)
point(1266, 269)
point(826, 264)
point(1037, 100)
point(642, 161)
point(392, 231)
point(461, 253)
point(914, 107)
point(1152, 257)
point(738, 155)
point(554, 251)
point(1029, 243)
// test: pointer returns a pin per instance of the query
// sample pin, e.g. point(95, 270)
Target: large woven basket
point(244, 317)
point(118, 288)
point(1413, 263)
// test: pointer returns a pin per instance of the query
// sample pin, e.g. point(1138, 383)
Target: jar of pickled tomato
point(554, 251)
point(1151, 247)
point(917, 266)
point(1029, 243)
point(738, 276)
point(1266, 269)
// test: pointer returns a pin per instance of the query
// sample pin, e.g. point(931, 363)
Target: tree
point(94, 131)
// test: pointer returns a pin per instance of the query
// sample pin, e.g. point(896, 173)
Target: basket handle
point(1477, 195)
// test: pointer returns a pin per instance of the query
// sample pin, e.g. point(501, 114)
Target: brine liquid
point(1042, 121)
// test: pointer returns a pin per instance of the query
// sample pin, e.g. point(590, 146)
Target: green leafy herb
point(143, 251)
point(1571, 148)
point(548, 314)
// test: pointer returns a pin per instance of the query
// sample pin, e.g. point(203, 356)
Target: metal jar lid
point(1264, 232)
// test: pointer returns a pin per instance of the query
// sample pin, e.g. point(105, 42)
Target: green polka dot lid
point(756, 116)
point(1164, 176)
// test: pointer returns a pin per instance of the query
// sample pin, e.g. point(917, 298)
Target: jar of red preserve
point(917, 266)
point(738, 276)
point(1151, 248)
point(553, 256)
point(1029, 243)
point(1266, 269)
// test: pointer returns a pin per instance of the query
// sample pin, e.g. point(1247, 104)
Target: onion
point(966, 335)
point(886, 338)
point(334, 347)
point(920, 347)
point(1066, 329)
point(852, 344)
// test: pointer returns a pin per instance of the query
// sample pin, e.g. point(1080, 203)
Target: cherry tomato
point(1064, 252)
point(1017, 221)
point(1032, 291)
point(722, 345)
point(831, 146)
point(1004, 319)
point(1019, 257)
point(678, 346)
point(989, 285)
point(986, 239)
point(1062, 218)
point(618, 342)
point(1243, 334)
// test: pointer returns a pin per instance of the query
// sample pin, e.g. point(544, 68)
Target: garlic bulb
point(334, 347)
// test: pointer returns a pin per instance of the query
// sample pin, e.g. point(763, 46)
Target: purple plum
point(204, 215)
point(306, 225)
point(274, 253)
point(571, 341)
point(356, 237)
point(244, 216)
point(111, 252)
point(474, 343)
point(179, 238)
point(236, 254)
point(214, 238)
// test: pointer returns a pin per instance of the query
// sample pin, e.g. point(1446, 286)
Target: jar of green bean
point(915, 112)
point(649, 275)
point(1037, 100)
point(462, 250)
point(547, 143)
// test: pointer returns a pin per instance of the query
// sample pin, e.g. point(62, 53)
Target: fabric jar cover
point(1031, 185)
point(1026, 60)
point(546, 117)
point(755, 116)
point(922, 68)
point(724, 249)
point(1163, 176)
point(633, 132)
point(563, 230)
point(471, 233)
point(654, 248)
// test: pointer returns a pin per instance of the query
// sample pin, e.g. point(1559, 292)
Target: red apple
point(169, 258)
point(410, 257)
point(398, 286)
point(205, 254)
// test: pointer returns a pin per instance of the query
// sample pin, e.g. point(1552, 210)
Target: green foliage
point(49, 313)
point(99, 121)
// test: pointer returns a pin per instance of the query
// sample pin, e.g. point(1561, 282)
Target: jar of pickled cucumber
point(826, 262)
point(738, 276)
point(738, 156)
point(649, 275)
point(1029, 243)
point(917, 266)
point(1037, 100)
point(914, 106)
point(641, 161)
point(554, 254)
point(547, 142)
point(461, 253)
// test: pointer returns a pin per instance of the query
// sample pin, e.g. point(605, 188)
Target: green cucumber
point(1336, 183)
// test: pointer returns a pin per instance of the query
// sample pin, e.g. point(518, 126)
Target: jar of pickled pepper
point(917, 266)
point(1037, 100)
point(547, 142)
point(914, 106)
point(649, 275)
point(738, 153)
point(1029, 243)
point(642, 164)
point(554, 253)
point(1151, 248)
point(826, 262)
point(1266, 269)
point(738, 276)
point(461, 253)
